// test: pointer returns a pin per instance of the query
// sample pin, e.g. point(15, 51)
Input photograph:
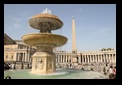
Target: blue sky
point(95, 23)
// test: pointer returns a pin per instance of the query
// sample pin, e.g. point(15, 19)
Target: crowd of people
point(8, 66)
point(107, 69)
point(16, 65)
point(111, 71)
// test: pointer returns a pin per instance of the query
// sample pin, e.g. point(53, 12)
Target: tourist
point(112, 76)
point(111, 71)
point(114, 70)
point(105, 70)
point(13, 66)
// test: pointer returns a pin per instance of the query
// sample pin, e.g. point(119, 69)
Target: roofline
point(10, 38)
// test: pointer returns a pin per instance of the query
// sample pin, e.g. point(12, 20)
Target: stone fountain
point(44, 60)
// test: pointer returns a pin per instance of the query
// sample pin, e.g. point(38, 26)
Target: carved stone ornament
point(40, 63)
point(49, 64)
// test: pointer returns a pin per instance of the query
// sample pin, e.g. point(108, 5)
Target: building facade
point(20, 52)
point(17, 52)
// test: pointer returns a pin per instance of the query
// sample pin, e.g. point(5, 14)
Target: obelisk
point(73, 36)
point(74, 51)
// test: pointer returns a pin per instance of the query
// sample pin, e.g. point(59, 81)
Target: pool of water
point(59, 74)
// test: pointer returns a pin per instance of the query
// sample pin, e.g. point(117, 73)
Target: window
point(11, 57)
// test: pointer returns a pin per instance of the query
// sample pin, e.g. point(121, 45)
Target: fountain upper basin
point(44, 38)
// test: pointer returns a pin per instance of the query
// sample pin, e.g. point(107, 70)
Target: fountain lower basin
point(59, 74)
point(35, 39)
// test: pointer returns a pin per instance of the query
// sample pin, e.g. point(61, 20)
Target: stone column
point(59, 59)
point(87, 58)
point(104, 58)
point(17, 57)
point(94, 58)
point(90, 59)
point(14, 57)
point(109, 57)
point(28, 56)
point(71, 58)
point(79, 57)
point(25, 56)
point(56, 58)
point(82, 58)
point(63, 58)
point(22, 57)
point(66, 58)
point(101, 58)
point(98, 58)
point(115, 58)
point(112, 57)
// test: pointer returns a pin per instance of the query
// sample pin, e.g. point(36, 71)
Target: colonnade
point(111, 58)
point(23, 56)
point(63, 58)
point(86, 58)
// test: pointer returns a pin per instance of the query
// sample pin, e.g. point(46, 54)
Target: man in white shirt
point(111, 70)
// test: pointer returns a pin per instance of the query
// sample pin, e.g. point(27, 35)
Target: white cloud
point(16, 21)
point(16, 25)
point(80, 10)
point(102, 32)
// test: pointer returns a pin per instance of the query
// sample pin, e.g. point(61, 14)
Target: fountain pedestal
point(43, 60)
point(43, 63)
